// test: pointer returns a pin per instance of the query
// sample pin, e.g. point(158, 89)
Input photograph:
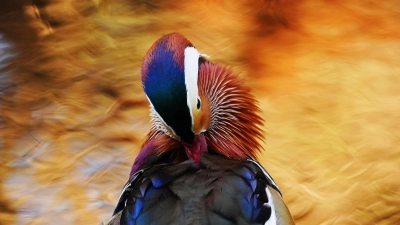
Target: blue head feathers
point(163, 77)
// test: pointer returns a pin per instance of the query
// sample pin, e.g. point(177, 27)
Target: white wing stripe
point(267, 175)
point(272, 219)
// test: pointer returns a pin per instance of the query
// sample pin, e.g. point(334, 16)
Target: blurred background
point(73, 114)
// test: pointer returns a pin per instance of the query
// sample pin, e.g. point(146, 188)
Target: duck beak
point(197, 148)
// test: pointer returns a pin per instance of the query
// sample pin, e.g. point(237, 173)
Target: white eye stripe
point(191, 65)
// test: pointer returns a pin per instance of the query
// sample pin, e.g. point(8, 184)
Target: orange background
point(73, 114)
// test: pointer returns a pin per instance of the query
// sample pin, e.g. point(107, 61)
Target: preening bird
point(197, 164)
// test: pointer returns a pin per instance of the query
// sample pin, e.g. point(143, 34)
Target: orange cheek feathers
point(202, 117)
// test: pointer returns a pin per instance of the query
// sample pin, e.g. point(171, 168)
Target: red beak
point(197, 149)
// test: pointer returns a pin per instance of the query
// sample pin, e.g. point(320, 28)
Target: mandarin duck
point(197, 164)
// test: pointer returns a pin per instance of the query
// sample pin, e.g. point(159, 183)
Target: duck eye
point(198, 103)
